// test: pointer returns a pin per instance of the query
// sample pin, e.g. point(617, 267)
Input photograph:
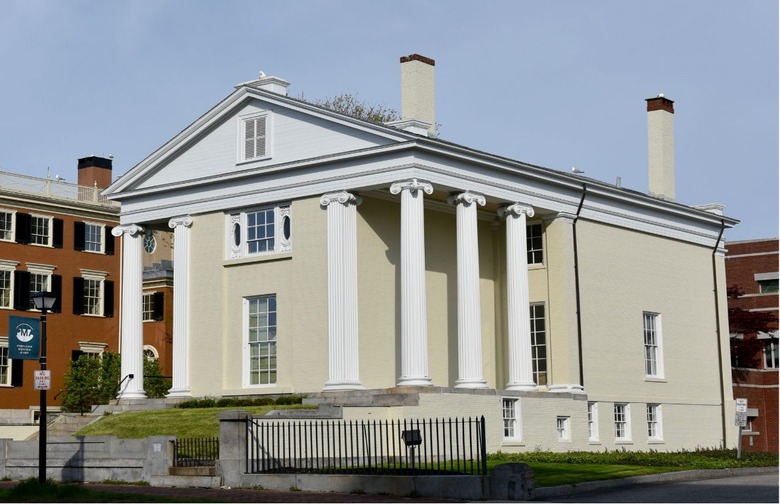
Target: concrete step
point(186, 481)
point(192, 471)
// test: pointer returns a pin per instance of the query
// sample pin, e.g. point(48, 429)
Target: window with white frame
point(7, 269)
point(652, 345)
point(511, 417)
point(622, 422)
point(7, 225)
point(259, 231)
point(93, 237)
point(538, 343)
point(562, 428)
point(5, 364)
point(534, 243)
point(254, 139)
point(40, 230)
point(654, 431)
point(92, 349)
point(151, 353)
point(93, 294)
point(260, 337)
point(39, 282)
point(771, 360)
point(593, 421)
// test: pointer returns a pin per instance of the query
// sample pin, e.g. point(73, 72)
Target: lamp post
point(43, 301)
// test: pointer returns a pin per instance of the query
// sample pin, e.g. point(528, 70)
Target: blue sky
point(553, 83)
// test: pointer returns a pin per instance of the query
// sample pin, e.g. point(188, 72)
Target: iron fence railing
point(195, 452)
point(419, 446)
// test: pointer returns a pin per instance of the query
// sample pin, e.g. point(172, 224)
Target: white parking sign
point(741, 405)
point(42, 379)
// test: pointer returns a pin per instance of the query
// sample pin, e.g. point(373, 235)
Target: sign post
point(740, 420)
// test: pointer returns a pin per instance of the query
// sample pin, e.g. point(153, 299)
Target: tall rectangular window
point(538, 344)
point(593, 421)
point(260, 231)
point(622, 422)
point(6, 289)
point(39, 282)
point(93, 297)
point(654, 422)
point(562, 428)
point(5, 366)
point(652, 344)
point(511, 418)
point(39, 230)
point(254, 137)
point(148, 308)
point(93, 237)
point(771, 360)
point(6, 225)
point(533, 233)
point(261, 339)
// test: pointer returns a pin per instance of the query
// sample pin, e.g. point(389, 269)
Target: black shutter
point(78, 295)
point(57, 233)
point(21, 290)
point(159, 305)
point(17, 373)
point(108, 239)
point(108, 298)
point(56, 289)
point(79, 235)
point(22, 227)
point(75, 354)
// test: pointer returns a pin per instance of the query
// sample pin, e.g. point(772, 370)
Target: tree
point(90, 380)
point(350, 105)
point(155, 385)
point(744, 326)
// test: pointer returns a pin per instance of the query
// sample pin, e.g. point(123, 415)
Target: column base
point(423, 381)
point(473, 383)
point(572, 388)
point(521, 386)
point(131, 395)
point(179, 392)
point(345, 385)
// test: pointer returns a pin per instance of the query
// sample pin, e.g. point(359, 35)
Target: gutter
point(577, 286)
point(717, 330)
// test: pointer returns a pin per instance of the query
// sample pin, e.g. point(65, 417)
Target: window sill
point(512, 442)
point(259, 258)
point(241, 162)
point(655, 379)
point(655, 441)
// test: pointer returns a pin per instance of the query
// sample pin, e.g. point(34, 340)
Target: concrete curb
point(557, 491)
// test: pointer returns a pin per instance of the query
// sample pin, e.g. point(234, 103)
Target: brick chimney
point(417, 95)
point(94, 170)
point(660, 147)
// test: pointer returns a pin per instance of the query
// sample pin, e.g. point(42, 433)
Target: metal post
point(42, 417)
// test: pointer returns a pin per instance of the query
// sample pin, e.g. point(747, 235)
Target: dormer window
point(254, 137)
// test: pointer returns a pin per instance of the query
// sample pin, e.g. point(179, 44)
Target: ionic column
point(181, 288)
point(414, 318)
point(343, 360)
point(131, 312)
point(470, 373)
point(518, 308)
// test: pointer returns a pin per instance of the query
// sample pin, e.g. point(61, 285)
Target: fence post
point(232, 461)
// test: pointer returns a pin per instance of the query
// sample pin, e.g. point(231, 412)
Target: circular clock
point(150, 243)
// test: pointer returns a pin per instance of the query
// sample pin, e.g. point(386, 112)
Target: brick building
point(752, 267)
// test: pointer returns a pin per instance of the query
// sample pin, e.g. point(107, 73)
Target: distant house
point(402, 276)
point(752, 268)
point(56, 236)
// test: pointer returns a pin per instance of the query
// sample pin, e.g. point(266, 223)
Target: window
point(538, 344)
point(93, 295)
point(5, 366)
point(260, 317)
point(39, 282)
point(259, 231)
point(151, 353)
point(153, 306)
point(593, 421)
point(771, 354)
point(511, 417)
point(93, 238)
point(7, 225)
point(7, 269)
point(562, 427)
point(533, 233)
point(767, 286)
point(654, 422)
point(38, 230)
point(652, 342)
point(622, 422)
point(254, 137)
point(39, 277)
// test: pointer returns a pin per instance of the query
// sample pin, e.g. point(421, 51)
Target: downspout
point(577, 286)
point(717, 331)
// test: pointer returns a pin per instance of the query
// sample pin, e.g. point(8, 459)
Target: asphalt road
point(748, 488)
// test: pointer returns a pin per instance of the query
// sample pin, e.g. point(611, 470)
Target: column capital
point(412, 185)
point(343, 197)
point(131, 229)
point(467, 198)
point(564, 217)
point(515, 209)
point(183, 220)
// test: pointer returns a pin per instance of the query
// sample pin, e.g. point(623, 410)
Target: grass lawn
point(31, 491)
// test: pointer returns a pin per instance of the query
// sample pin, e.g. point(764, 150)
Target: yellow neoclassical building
point(397, 275)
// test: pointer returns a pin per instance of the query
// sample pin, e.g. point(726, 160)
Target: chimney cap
point(95, 162)
point(660, 102)
point(417, 57)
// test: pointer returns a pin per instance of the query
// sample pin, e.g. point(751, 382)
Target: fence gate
point(195, 452)
point(430, 446)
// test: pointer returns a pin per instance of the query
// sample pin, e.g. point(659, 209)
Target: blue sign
point(23, 338)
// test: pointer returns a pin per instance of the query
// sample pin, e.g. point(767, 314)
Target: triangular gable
point(212, 146)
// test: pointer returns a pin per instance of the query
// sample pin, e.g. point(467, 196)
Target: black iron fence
point(430, 446)
point(195, 452)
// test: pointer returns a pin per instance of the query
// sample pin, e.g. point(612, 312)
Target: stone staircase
point(67, 424)
point(197, 477)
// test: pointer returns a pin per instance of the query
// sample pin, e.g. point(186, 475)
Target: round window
point(150, 244)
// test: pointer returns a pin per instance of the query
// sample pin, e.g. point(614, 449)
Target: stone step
point(186, 481)
point(192, 471)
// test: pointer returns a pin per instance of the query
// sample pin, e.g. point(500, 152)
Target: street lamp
point(43, 301)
